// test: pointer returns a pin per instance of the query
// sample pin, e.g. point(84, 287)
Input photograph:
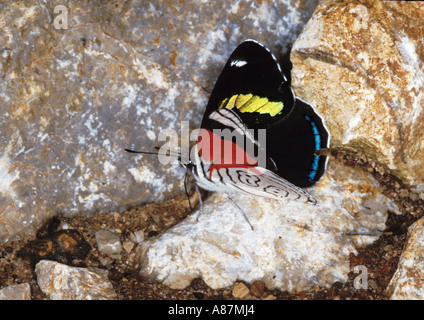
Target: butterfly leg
point(369, 233)
point(186, 191)
point(200, 202)
point(241, 210)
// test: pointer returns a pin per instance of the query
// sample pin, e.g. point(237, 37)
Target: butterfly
point(256, 136)
point(252, 96)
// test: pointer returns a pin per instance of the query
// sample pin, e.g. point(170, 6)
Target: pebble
point(240, 291)
point(257, 288)
point(128, 246)
point(61, 282)
point(388, 247)
point(16, 292)
point(108, 242)
point(139, 236)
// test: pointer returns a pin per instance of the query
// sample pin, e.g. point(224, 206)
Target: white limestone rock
point(61, 282)
point(293, 246)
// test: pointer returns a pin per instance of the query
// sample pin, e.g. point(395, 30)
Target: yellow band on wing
point(251, 103)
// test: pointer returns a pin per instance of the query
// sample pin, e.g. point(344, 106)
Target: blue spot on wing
point(317, 137)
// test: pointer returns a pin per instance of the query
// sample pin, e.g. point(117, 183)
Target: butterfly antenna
point(177, 155)
point(145, 152)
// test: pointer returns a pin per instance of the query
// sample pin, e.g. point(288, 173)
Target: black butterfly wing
point(252, 69)
point(293, 133)
point(293, 143)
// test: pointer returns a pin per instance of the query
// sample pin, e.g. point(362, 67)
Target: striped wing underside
point(261, 182)
point(253, 180)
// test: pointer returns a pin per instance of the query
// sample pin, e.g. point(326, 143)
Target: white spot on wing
point(238, 63)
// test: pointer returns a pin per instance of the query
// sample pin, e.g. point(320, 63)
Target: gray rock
point(61, 282)
point(16, 292)
point(73, 98)
point(294, 246)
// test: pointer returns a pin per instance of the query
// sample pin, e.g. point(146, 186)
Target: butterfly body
point(251, 99)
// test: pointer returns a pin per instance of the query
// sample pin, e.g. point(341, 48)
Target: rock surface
point(86, 79)
point(293, 246)
point(408, 281)
point(61, 282)
point(361, 65)
point(16, 292)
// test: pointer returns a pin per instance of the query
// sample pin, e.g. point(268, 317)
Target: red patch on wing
point(222, 153)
